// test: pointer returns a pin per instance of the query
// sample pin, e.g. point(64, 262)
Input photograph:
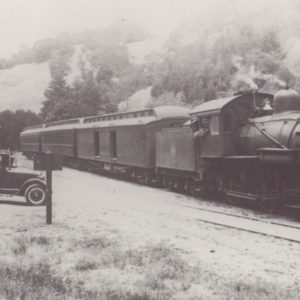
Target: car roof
point(214, 107)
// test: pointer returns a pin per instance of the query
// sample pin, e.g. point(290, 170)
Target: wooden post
point(49, 162)
point(48, 190)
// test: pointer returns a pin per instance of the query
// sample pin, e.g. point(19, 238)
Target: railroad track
point(240, 222)
point(249, 224)
point(245, 223)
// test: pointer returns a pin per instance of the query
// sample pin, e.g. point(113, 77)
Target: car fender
point(29, 182)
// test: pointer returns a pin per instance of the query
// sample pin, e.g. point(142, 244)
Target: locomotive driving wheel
point(269, 191)
point(232, 184)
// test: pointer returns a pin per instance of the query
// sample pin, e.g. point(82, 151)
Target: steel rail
point(249, 224)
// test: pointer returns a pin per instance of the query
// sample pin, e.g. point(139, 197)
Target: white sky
point(26, 21)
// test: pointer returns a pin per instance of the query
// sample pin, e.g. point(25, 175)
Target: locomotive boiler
point(280, 130)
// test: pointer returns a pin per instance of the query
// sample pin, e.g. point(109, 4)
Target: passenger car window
point(96, 143)
point(113, 143)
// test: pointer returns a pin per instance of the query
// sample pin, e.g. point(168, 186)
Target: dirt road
point(137, 216)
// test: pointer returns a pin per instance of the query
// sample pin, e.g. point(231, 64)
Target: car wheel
point(35, 194)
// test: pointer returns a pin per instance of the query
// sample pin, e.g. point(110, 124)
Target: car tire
point(35, 194)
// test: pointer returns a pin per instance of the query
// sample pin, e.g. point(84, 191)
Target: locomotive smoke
point(248, 75)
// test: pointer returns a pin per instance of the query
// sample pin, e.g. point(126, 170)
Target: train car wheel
point(177, 185)
point(147, 179)
point(187, 187)
point(164, 182)
point(133, 175)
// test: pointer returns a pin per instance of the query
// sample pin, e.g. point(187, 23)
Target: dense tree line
point(238, 57)
point(218, 61)
point(11, 124)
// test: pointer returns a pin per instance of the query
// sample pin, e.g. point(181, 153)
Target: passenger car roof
point(141, 117)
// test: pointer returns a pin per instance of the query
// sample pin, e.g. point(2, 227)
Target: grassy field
point(72, 265)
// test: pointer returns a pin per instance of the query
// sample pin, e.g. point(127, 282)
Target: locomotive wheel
point(231, 183)
point(269, 192)
point(232, 200)
point(35, 194)
point(268, 205)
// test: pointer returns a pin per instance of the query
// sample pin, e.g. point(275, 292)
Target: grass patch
point(35, 281)
point(40, 240)
point(99, 268)
point(85, 264)
point(20, 246)
point(153, 273)
point(261, 290)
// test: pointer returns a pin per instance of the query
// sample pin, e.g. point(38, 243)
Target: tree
point(12, 123)
point(42, 50)
point(91, 93)
point(58, 94)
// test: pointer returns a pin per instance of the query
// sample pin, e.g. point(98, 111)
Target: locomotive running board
point(240, 195)
point(250, 196)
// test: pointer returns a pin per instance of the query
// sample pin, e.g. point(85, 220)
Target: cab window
point(227, 122)
point(214, 125)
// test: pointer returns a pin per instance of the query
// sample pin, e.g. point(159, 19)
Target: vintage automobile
point(14, 182)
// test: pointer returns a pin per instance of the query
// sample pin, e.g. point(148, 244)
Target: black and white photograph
point(150, 149)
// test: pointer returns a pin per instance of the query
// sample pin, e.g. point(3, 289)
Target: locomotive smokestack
point(286, 100)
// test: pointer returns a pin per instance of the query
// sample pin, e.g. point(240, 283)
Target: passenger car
point(120, 142)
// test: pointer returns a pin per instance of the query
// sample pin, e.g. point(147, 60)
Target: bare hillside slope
point(22, 86)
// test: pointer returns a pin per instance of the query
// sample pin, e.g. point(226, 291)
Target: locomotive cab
point(219, 147)
point(222, 119)
point(266, 168)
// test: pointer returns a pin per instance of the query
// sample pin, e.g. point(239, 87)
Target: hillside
point(22, 87)
point(126, 69)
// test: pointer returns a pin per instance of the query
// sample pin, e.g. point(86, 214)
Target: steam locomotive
point(245, 147)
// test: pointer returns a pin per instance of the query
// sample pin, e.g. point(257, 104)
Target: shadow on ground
point(13, 202)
